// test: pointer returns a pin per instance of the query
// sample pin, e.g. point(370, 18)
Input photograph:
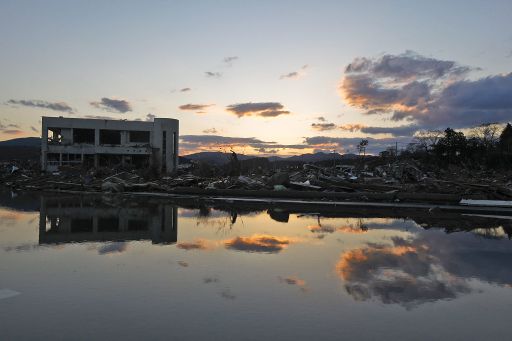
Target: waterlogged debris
point(8, 293)
point(371, 179)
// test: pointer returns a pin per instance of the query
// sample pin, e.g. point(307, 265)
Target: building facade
point(107, 143)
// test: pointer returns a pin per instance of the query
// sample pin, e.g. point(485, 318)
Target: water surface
point(102, 268)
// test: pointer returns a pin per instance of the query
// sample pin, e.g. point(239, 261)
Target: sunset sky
point(262, 77)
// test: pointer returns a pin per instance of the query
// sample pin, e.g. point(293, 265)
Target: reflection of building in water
point(77, 219)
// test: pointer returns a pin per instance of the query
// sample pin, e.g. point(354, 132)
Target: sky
point(260, 77)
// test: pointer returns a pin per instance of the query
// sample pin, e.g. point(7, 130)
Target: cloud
point(99, 117)
point(229, 60)
point(185, 89)
point(295, 74)
point(403, 130)
point(12, 131)
point(262, 109)
point(407, 66)
point(195, 107)
point(210, 131)
point(220, 140)
point(56, 106)
point(427, 92)
point(210, 74)
point(352, 127)
point(194, 143)
point(321, 118)
point(182, 264)
point(267, 151)
point(150, 117)
point(34, 129)
point(349, 144)
point(258, 243)
point(323, 126)
point(113, 105)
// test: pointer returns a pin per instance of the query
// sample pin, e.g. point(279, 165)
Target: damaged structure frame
point(107, 143)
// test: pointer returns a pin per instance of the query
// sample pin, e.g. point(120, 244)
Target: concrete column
point(124, 137)
point(44, 144)
point(95, 224)
point(60, 159)
point(96, 137)
point(96, 161)
point(123, 222)
point(42, 218)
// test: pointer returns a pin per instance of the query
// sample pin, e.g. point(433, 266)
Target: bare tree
point(427, 139)
point(362, 147)
point(486, 133)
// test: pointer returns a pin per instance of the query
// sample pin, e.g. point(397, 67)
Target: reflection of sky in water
point(228, 273)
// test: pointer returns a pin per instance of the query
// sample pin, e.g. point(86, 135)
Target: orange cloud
point(352, 127)
point(12, 132)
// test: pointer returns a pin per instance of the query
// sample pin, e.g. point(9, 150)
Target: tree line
point(487, 145)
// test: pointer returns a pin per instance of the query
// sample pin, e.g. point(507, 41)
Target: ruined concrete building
point(107, 143)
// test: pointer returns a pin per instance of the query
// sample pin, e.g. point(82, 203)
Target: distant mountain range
point(217, 158)
point(28, 148)
point(22, 142)
point(220, 158)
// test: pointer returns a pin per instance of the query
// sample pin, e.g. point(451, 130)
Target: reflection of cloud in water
point(227, 294)
point(258, 243)
point(294, 280)
point(9, 218)
point(360, 225)
point(194, 213)
point(470, 256)
point(182, 264)
point(110, 248)
point(323, 229)
point(9, 215)
point(405, 275)
point(31, 247)
point(432, 266)
point(199, 244)
point(8, 293)
point(208, 280)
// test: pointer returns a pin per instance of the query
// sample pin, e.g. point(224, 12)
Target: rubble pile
point(396, 177)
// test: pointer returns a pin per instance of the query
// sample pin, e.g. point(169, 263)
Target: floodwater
point(82, 268)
